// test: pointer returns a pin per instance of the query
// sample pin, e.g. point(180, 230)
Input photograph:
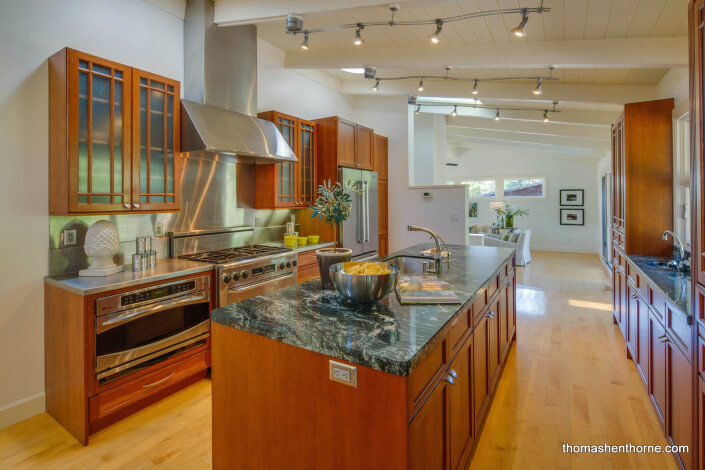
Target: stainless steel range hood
point(220, 91)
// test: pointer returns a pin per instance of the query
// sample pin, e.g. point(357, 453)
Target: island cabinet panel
point(426, 374)
point(493, 340)
point(429, 445)
point(642, 348)
point(679, 382)
point(632, 322)
point(268, 393)
point(657, 366)
point(481, 374)
point(461, 413)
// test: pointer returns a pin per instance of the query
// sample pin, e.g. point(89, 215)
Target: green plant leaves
point(333, 204)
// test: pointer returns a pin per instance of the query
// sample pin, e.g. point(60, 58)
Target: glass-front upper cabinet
point(286, 184)
point(307, 162)
point(155, 162)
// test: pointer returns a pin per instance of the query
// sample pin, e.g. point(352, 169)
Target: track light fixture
point(358, 39)
point(376, 86)
point(520, 30)
point(538, 90)
point(436, 37)
point(304, 44)
point(455, 111)
point(496, 116)
point(295, 23)
point(545, 115)
point(418, 109)
point(412, 101)
point(475, 88)
point(420, 87)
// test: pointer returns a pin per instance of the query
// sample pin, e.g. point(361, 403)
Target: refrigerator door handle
point(360, 214)
point(367, 212)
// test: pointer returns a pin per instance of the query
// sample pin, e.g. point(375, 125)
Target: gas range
point(244, 271)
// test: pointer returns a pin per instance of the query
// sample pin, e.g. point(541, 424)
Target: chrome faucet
point(437, 256)
point(681, 265)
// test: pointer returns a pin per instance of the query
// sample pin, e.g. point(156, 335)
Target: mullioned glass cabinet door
point(155, 152)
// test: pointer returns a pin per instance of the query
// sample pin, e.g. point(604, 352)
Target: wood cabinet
point(429, 430)
point(679, 392)
point(657, 366)
point(308, 265)
point(113, 137)
point(380, 157)
point(461, 416)
point(642, 172)
point(493, 341)
point(344, 143)
point(481, 371)
point(289, 184)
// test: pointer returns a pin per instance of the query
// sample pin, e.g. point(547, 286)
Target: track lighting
point(520, 30)
point(304, 44)
point(420, 87)
point(358, 39)
point(545, 116)
point(436, 37)
point(418, 109)
point(376, 87)
point(466, 103)
point(455, 111)
point(475, 89)
point(538, 90)
point(496, 116)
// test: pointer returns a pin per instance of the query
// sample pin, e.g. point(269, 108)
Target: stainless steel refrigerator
point(359, 232)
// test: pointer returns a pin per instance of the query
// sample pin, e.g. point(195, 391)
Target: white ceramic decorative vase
point(102, 243)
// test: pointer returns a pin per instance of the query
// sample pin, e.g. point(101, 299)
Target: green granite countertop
point(386, 335)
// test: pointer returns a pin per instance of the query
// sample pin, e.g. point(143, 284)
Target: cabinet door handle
point(453, 374)
point(663, 338)
point(634, 296)
point(159, 381)
point(450, 380)
point(126, 206)
point(490, 314)
point(136, 206)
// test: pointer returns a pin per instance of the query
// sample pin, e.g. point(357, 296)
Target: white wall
point(483, 161)
point(128, 31)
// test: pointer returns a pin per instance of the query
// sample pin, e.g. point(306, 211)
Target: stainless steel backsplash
point(216, 191)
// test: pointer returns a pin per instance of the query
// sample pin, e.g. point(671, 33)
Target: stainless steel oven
point(138, 328)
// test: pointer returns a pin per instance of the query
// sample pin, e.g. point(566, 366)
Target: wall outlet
point(159, 229)
point(427, 195)
point(69, 237)
point(342, 373)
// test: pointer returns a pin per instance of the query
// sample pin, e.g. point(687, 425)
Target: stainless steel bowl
point(363, 288)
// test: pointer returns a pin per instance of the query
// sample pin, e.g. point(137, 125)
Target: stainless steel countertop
point(166, 268)
point(299, 249)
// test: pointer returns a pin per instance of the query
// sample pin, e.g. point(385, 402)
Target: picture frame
point(472, 212)
point(569, 216)
point(572, 197)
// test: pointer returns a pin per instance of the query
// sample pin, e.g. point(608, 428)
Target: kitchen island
point(304, 378)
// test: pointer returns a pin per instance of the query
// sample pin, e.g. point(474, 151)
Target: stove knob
point(244, 274)
point(294, 263)
point(288, 264)
point(236, 277)
point(281, 266)
point(226, 278)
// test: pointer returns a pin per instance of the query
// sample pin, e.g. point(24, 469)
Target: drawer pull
point(453, 374)
point(634, 295)
point(490, 314)
point(662, 338)
point(153, 384)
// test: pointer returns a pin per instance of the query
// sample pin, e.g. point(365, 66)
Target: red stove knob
point(226, 278)
point(244, 274)
point(236, 277)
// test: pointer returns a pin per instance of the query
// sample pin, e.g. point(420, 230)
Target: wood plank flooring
point(566, 380)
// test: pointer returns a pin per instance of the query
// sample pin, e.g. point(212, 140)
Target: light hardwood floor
point(566, 380)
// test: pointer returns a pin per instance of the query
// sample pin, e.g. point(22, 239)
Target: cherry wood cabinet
point(308, 265)
point(113, 137)
point(493, 341)
point(380, 157)
point(364, 141)
point(657, 366)
point(429, 430)
point(481, 372)
point(343, 143)
point(289, 184)
point(679, 383)
point(461, 416)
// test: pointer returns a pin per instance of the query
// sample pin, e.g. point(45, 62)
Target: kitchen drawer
point(307, 272)
point(307, 258)
point(423, 378)
point(480, 302)
point(677, 326)
point(130, 394)
point(459, 326)
point(492, 286)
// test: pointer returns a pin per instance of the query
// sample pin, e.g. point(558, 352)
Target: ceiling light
point(304, 45)
point(538, 90)
point(455, 111)
point(520, 30)
point(376, 87)
point(358, 39)
point(475, 89)
point(420, 87)
point(545, 116)
point(418, 110)
point(354, 70)
point(496, 116)
point(436, 36)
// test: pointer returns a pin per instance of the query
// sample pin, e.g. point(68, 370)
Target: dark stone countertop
point(674, 286)
point(386, 335)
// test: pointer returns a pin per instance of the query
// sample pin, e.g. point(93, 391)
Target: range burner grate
point(229, 255)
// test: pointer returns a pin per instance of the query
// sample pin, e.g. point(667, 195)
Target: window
point(524, 187)
point(486, 188)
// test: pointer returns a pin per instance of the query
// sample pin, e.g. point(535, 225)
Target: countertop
point(386, 335)
point(299, 249)
point(674, 286)
point(166, 268)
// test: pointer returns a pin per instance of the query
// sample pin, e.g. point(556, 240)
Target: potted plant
point(333, 206)
point(508, 213)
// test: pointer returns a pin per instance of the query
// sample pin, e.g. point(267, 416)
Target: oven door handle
point(108, 322)
point(260, 283)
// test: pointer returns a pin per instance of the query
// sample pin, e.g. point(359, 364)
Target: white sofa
point(519, 239)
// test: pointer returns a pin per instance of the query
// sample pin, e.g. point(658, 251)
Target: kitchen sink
point(409, 264)
point(656, 263)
